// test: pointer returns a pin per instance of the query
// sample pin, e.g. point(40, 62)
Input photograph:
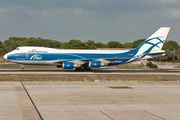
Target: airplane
point(84, 60)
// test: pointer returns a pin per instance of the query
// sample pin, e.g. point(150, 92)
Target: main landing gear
point(82, 68)
point(22, 67)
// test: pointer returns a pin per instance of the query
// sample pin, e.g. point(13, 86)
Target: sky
point(98, 20)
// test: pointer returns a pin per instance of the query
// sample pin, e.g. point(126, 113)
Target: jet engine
point(68, 65)
point(94, 64)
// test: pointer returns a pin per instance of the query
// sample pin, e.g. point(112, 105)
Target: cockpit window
point(17, 49)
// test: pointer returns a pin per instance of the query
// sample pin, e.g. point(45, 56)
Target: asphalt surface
point(89, 101)
point(95, 71)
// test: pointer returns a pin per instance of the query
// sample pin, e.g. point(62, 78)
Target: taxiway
point(89, 101)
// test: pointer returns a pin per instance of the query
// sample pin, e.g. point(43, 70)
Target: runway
point(95, 71)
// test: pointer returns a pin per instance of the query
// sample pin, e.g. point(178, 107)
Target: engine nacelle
point(94, 64)
point(68, 65)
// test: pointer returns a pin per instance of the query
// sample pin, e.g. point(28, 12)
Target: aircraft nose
point(5, 56)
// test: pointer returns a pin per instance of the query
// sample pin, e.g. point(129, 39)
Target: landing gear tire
point(81, 69)
point(89, 69)
point(22, 69)
point(77, 69)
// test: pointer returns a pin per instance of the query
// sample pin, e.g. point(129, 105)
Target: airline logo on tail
point(154, 42)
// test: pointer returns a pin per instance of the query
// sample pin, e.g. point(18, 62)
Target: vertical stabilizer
point(155, 41)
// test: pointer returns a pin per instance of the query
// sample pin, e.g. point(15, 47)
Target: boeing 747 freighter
point(84, 60)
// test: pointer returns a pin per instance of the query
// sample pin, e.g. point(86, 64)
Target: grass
point(86, 77)
point(131, 66)
point(178, 66)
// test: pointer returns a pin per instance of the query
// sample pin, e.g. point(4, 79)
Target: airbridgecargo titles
point(84, 60)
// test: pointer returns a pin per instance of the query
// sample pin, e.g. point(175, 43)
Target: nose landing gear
point(22, 67)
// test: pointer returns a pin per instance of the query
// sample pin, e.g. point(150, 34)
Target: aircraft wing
point(83, 61)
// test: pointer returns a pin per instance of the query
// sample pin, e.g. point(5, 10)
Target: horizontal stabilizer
point(157, 53)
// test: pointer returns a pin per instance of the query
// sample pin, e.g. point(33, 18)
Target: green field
point(87, 77)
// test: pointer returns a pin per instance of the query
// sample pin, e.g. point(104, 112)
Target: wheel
point(77, 69)
point(22, 69)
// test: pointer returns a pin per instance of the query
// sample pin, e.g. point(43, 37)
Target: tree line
point(14, 42)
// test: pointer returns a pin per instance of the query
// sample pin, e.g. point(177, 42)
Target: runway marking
point(106, 115)
point(32, 101)
point(120, 87)
point(154, 115)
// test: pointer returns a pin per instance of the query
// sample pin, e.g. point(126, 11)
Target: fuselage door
point(27, 56)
